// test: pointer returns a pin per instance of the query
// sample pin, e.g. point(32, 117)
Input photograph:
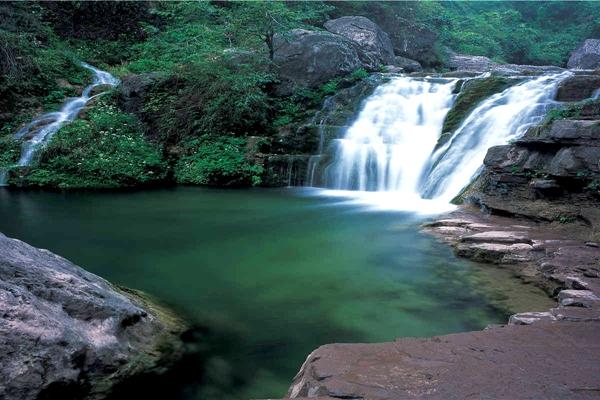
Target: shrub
point(217, 161)
point(105, 150)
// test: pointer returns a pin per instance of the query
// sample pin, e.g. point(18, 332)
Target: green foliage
point(517, 32)
point(105, 150)
point(571, 111)
point(564, 219)
point(217, 161)
point(10, 149)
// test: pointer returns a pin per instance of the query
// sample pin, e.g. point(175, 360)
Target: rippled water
point(270, 274)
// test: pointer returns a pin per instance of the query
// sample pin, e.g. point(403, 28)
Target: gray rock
point(309, 58)
point(133, 91)
point(465, 62)
point(374, 45)
point(587, 56)
point(407, 64)
point(67, 333)
point(577, 87)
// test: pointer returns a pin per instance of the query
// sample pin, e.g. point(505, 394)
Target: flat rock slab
point(549, 360)
point(497, 237)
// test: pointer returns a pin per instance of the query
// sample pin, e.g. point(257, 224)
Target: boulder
point(310, 58)
point(67, 333)
point(133, 90)
point(578, 87)
point(407, 64)
point(373, 45)
point(587, 56)
point(464, 62)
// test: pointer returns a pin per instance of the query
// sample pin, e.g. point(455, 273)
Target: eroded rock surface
point(374, 45)
point(68, 334)
point(553, 360)
point(311, 58)
point(587, 56)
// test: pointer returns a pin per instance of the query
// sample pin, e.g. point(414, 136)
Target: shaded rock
point(407, 64)
point(578, 87)
point(134, 89)
point(587, 56)
point(309, 58)
point(67, 333)
point(373, 45)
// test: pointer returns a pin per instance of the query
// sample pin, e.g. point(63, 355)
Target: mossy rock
point(472, 93)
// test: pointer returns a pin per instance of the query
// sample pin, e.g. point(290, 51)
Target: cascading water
point(388, 155)
point(39, 131)
point(497, 120)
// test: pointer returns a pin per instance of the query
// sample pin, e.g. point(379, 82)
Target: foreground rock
point(587, 56)
point(552, 361)
point(67, 334)
point(373, 44)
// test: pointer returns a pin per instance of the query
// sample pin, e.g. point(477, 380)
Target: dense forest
point(206, 79)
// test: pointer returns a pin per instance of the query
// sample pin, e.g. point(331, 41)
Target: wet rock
point(503, 237)
point(309, 58)
point(529, 318)
point(587, 56)
point(577, 87)
point(67, 333)
point(577, 298)
point(487, 364)
point(373, 45)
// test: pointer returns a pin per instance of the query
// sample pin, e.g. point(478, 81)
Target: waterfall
point(387, 156)
point(39, 131)
point(497, 120)
point(389, 145)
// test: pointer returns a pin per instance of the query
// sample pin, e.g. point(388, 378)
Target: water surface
point(271, 274)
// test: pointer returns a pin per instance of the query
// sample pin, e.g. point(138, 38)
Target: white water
point(387, 160)
point(39, 131)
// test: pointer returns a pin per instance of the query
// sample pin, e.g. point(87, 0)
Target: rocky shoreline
point(552, 354)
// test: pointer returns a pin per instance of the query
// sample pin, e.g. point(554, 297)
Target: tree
point(260, 21)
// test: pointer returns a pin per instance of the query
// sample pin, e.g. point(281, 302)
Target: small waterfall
point(497, 120)
point(388, 155)
point(388, 147)
point(39, 131)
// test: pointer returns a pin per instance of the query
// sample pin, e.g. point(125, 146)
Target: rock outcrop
point(68, 334)
point(407, 64)
point(557, 360)
point(310, 58)
point(552, 174)
point(578, 87)
point(373, 45)
point(587, 56)
point(464, 62)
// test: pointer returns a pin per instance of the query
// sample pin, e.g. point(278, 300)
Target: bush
point(105, 150)
point(10, 150)
point(217, 161)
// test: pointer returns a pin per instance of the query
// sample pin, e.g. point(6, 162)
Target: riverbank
point(551, 354)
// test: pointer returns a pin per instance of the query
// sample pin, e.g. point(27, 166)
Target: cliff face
point(551, 174)
point(66, 333)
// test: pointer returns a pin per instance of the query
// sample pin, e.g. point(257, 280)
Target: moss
point(472, 93)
